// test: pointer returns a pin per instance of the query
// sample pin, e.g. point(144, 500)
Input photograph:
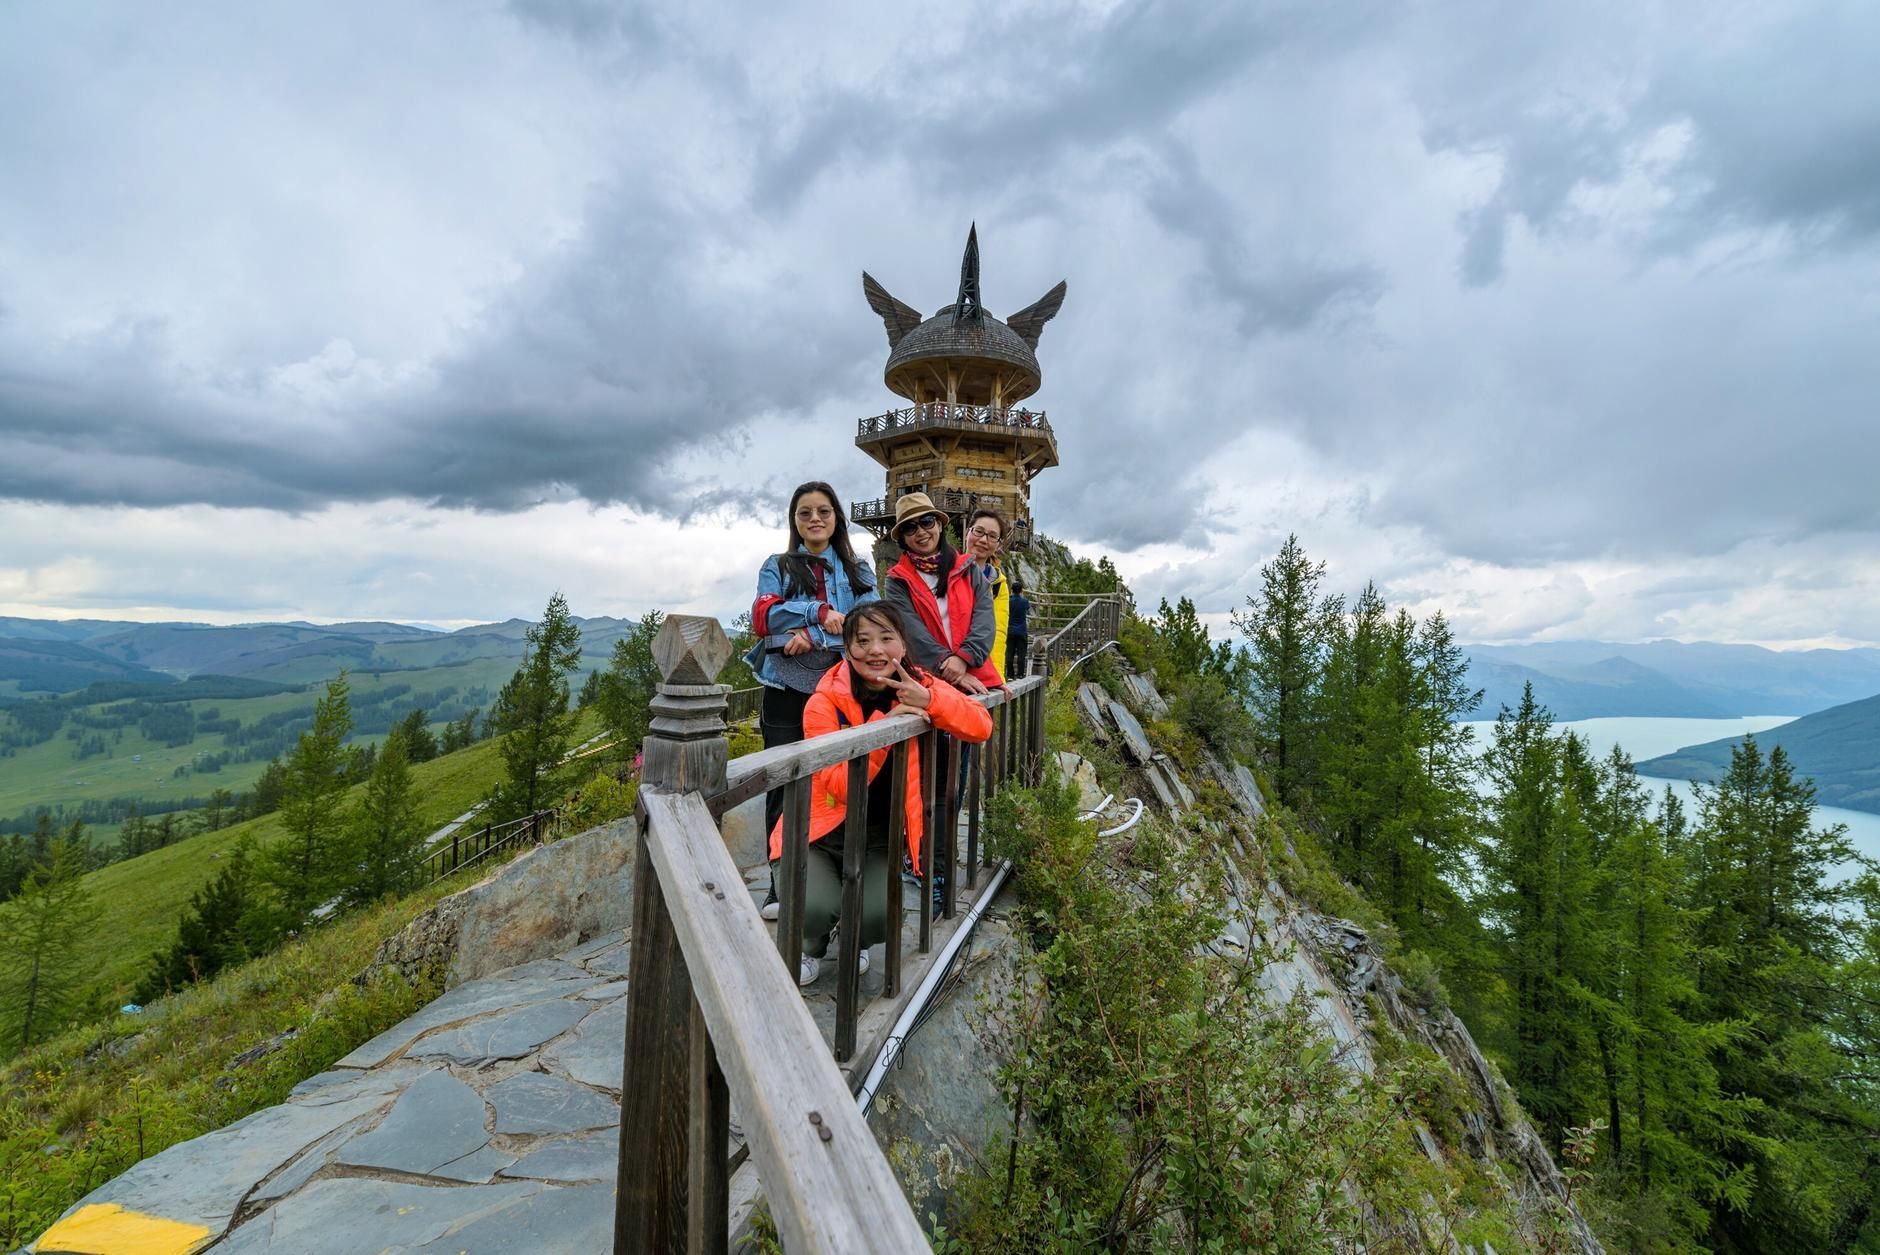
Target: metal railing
point(950, 414)
point(1099, 622)
point(479, 847)
point(711, 1015)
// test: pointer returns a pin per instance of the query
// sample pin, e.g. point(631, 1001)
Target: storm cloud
point(1567, 304)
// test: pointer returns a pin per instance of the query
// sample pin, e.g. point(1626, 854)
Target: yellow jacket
point(1001, 617)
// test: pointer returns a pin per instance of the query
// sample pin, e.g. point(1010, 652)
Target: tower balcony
point(1028, 430)
point(878, 515)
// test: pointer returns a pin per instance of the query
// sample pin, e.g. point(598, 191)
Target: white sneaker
point(771, 908)
point(808, 970)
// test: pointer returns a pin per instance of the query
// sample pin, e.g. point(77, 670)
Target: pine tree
point(300, 868)
point(385, 840)
point(415, 729)
point(1286, 624)
point(39, 934)
point(629, 683)
point(215, 931)
point(532, 715)
point(1538, 864)
point(1771, 944)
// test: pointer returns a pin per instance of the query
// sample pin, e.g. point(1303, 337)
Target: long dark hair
point(882, 614)
point(796, 566)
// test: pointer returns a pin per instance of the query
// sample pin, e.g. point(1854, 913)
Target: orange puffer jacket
point(833, 707)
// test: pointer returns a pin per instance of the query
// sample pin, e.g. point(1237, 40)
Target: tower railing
point(1017, 420)
point(712, 1013)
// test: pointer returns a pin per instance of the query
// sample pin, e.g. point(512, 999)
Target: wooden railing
point(877, 514)
point(741, 704)
point(945, 414)
point(713, 1009)
point(475, 848)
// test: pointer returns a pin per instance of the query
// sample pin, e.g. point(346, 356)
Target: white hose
point(897, 1036)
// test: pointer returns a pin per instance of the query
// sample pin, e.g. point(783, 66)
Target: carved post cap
point(691, 649)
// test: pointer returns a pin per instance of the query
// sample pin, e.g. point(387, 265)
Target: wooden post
point(849, 927)
point(674, 1120)
point(897, 846)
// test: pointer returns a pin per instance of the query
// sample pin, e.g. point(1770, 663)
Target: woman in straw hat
point(942, 597)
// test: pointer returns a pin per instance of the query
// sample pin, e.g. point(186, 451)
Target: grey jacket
point(904, 588)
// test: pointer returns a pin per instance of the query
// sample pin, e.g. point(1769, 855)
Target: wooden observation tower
point(964, 438)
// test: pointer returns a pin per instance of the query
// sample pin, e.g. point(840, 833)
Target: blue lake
point(1649, 737)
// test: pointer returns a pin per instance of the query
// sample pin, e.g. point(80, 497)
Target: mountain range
point(1838, 748)
point(1701, 680)
point(39, 656)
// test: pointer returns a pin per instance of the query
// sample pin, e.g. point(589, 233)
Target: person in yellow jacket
point(876, 680)
point(985, 539)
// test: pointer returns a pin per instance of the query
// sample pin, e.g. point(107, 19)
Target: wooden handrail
point(711, 1014)
point(830, 1188)
point(763, 770)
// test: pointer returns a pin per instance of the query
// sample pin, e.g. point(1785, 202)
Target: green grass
point(135, 767)
point(139, 900)
point(86, 1105)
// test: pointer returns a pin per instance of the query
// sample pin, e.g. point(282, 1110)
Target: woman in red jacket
point(877, 680)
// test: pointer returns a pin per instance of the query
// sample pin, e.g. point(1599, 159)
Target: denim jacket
point(779, 610)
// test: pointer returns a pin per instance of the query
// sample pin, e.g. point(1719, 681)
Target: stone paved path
point(486, 1122)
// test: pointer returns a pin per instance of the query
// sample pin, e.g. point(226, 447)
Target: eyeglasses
point(922, 523)
point(983, 534)
point(819, 512)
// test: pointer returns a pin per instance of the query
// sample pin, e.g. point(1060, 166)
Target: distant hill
point(1839, 748)
point(1702, 680)
point(48, 665)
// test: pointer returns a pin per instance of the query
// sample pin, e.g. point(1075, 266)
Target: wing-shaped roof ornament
point(1029, 322)
point(897, 316)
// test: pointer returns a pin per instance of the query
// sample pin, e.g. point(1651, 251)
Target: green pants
point(822, 897)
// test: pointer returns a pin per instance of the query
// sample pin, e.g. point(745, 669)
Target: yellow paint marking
point(108, 1229)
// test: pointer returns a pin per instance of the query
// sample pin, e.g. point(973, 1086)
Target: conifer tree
point(420, 742)
point(39, 934)
point(301, 867)
point(1285, 622)
point(217, 930)
point(627, 686)
point(532, 714)
point(1771, 946)
point(1538, 864)
point(386, 842)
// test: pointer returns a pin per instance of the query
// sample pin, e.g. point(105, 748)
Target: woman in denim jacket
point(802, 596)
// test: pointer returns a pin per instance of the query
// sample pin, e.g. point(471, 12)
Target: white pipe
point(1127, 824)
point(897, 1036)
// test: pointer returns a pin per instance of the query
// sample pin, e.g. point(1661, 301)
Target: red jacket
point(833, 707)
point(970, 616)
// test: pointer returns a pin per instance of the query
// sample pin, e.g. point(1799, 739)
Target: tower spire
point(968, 304)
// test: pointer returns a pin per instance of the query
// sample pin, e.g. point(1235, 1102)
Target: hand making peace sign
point(910, 695)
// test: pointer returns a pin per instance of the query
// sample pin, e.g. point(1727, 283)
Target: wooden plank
point(948, 836)
point(929, 820)
point(775, 767)
point(848, 956)
point(708, 1188)
point(897, 847)
point(792, 871)
point(830, 1187)
point(655, 1086)
point(972, 814)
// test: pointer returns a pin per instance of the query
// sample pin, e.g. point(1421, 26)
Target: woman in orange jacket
point(877, 680)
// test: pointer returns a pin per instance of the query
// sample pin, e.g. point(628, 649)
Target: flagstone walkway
point(486, 1122)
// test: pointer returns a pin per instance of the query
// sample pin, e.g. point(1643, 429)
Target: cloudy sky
point(1564, 318)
